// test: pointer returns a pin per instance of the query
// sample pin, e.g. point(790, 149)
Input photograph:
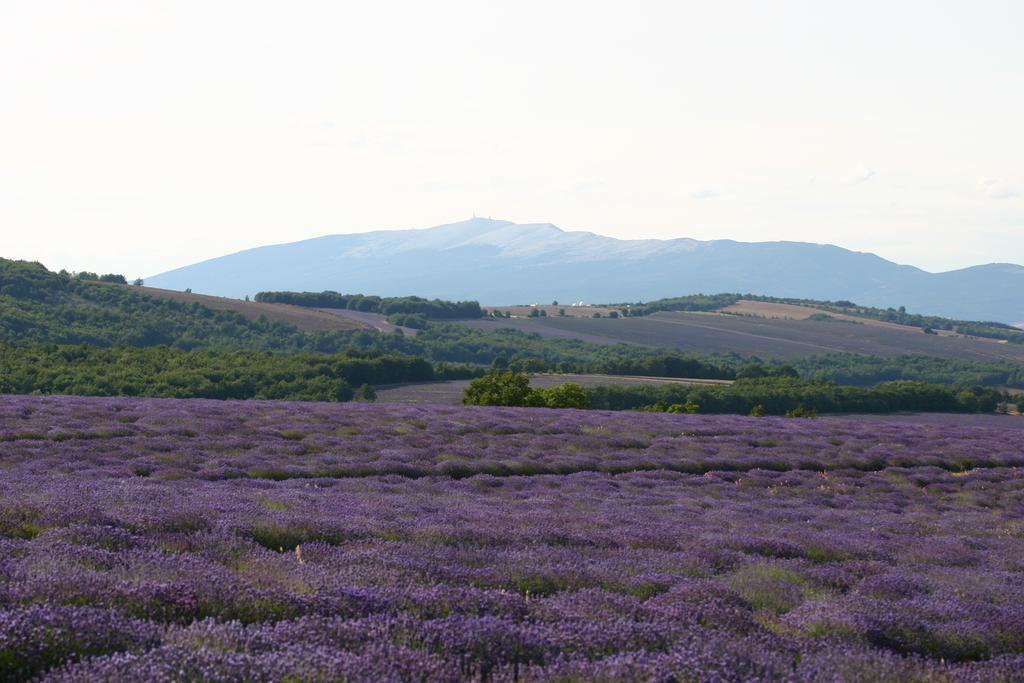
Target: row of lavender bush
point(142, 540)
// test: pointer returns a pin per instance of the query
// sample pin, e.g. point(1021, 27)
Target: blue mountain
point(499, 262)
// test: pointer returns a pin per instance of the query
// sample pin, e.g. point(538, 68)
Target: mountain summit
point(500, 262)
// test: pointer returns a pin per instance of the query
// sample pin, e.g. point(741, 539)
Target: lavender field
point(149, 540)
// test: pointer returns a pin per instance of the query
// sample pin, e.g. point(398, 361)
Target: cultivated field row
point(153, 540)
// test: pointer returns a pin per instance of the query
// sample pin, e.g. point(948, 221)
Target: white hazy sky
point(138, 136)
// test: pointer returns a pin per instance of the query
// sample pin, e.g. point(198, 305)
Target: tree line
point(763, 395)
point(175, 373)
point(432, 309)
point(692, 302)
point(513, 389)
point(782, 395)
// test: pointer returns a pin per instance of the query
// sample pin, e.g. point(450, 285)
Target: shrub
point(800, 411)
point(568, 395)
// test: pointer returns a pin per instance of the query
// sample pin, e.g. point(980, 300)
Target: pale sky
point(139, 136)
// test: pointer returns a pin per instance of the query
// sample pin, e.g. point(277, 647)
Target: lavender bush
point(149, 540)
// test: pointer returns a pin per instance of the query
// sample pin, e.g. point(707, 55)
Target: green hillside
point(58, 319)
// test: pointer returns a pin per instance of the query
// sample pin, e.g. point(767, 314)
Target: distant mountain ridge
point(500, 262)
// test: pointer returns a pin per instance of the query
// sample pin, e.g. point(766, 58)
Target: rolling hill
point(766, 337)
point(59, 320)
point(305, 319)
point(501, 262)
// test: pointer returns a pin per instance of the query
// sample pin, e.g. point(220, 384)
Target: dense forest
point(168, 372)
point(432, 309)
point(782, 395)
point(859, 370)
point(776, 394)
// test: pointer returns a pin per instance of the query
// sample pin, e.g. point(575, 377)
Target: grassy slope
point(306, 319)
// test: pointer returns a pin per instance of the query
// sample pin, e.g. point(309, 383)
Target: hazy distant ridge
point(499, 262)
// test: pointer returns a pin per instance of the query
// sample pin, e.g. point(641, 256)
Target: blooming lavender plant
point(153, 540)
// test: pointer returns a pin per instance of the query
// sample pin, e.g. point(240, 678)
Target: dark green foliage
point(529, 352)
point(513, 389)
point(366, 393)
point(801, 411)
point(37, 305)
point(501, 389)
point(111, 278)
point(782, 395)
point(433, 309)
point(162, 371)
point(693, 302)
point(848, 368)
point(567, 395)
point(688, 408)
point(756, 370)
point(415, 321)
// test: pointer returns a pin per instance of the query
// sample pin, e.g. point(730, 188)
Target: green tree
point(502, 389)
point(567, 395)
point(367, 393)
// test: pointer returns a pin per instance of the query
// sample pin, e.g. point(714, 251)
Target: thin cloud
point(996, 189)
point(860, 175)
point(702, 192)
point(587, 187)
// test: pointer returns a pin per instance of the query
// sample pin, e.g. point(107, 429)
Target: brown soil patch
point(777, 311)
point(306, 319)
